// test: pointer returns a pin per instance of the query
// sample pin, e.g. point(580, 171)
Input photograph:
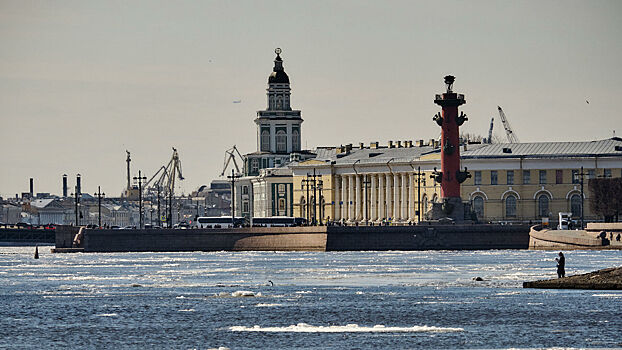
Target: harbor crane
point(230, 155)
point(165, 177)
point(512, 138)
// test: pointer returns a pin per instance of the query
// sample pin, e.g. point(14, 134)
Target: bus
point(278, 221)
point(218, 222)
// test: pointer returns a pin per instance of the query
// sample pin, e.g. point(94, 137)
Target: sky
point(82, 81)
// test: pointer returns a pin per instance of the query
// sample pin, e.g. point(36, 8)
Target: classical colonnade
point(376, 197)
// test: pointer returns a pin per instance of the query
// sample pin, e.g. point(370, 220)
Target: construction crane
point(230, 155)
point(492, 123)
point(512, 138)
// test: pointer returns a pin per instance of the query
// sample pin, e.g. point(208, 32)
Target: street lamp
point(140, 180)
point(99, 205)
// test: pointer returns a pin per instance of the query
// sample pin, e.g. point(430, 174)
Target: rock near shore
point(610, 279)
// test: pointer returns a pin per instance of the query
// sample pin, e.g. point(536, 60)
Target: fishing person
point(561, 265)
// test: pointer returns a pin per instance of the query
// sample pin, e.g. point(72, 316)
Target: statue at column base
point(452, 210)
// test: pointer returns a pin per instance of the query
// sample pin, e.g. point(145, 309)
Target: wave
point(349, 328)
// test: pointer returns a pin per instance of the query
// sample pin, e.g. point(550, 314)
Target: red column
point(450, 147)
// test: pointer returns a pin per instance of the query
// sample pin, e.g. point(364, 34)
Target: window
point(510, 206)
point(244, 189)
point(526, 177)
point(281, 141)
point(265, 140)
point(254, 165)
point(478, 206)
point(281, 206)
point(478, 177)
point(591, 174)
point(559, 176)
point(510, 177)
point(493, 177)
point(606, 172)
point(543, 205)
point(245, 207)
point(295, 140)
point(542, 176)
point(575, 177)
point(575, 205)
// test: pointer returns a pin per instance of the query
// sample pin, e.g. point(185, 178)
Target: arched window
point(282, 206)
point(295, 140)
point(281, 141)
point(510, 206)
point(265, 141)
point(575, 205)
point(279, 102)
point(478, 206)
point(543, 205)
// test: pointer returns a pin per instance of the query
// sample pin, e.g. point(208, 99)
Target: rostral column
point(450, 175)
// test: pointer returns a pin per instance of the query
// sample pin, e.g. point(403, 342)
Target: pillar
point(357, 198)
point(388, 197)
point(372, 212)
point(381, 207)
point(404, 200)
point(350, 198)
point(344, 199)
point(411, 203)
point(336, 198)
point(396, 197)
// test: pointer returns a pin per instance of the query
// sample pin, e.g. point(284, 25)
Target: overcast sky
point(82, 81)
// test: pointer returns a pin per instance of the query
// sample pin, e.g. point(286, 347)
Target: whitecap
point(267, 305)
point(245, 293)
point(608, 295)
point(187, 310)
point(349, 328)
point(107, 315)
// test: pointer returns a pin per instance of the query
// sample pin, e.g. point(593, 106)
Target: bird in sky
point(588, 102)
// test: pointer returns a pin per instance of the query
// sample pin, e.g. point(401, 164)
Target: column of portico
point(373, 206)
point(336, 198)
point(381, 206)
point(404, 199)
point(365, 196)
point(396, 198)
point(411, 203)
point(344, 196)
point(351, 198)
point(388, 197)
point(357, 213)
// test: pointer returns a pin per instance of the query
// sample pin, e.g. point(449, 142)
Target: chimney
point(408, 144)
point(435, 143)
point(373, 145)
point(78, 184)
point(420, 143)
point(348, 147)
point(361, 145)
point(391, 144)
point(431, 143)
point(399, 144)
point(32, 187)
point(64, 185)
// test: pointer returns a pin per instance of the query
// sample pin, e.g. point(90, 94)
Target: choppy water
point(368, 300)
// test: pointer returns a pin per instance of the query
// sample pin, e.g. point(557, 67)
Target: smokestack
point(32, 187)
point(64, 185)
point(78, 184)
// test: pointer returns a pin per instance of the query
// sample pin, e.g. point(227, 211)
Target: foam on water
point(349, 328)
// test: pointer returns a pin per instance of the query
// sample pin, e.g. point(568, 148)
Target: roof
point(41, 203)
point(607, 147)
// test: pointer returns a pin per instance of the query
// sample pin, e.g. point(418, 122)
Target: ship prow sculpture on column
point(451, 176)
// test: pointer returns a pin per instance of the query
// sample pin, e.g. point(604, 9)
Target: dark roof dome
point(278, 75)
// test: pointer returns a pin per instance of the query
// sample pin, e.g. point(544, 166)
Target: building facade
point(523, 182)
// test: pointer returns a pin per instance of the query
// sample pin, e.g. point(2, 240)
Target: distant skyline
point(82, 81)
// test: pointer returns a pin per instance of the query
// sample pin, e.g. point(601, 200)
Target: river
point(303, 300)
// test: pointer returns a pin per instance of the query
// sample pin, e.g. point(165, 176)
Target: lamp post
point(140, 180)
point(580, 177)
point(233, 176)
point(99, 205)
point(77, 204)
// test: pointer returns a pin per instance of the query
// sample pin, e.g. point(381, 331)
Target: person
point(561, 264)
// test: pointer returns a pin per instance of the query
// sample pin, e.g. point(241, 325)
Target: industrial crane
point(165, 177)
point(512, 138)
point(230, 155)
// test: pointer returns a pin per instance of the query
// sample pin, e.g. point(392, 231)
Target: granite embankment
point(610, 278)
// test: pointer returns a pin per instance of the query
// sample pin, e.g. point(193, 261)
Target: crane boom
point(512, 138)
point(230, 154)
point(492, 121)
